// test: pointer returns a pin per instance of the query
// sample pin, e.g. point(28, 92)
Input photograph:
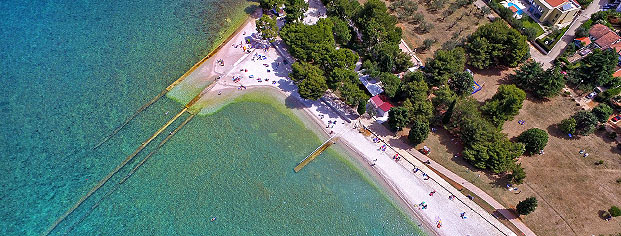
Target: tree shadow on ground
point(556, 132)
point(253, 9)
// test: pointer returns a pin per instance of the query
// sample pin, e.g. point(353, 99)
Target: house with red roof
point(382, 105)
point(554, 11)
point(604, 37)
point(582, 42)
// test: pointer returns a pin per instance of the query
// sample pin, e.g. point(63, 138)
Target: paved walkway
point(402, 147)
point(569, 36)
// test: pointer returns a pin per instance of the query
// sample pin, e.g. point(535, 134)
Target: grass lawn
point(528, 22)
point(572, 190)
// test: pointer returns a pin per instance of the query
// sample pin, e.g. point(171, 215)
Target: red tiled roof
point(616, 47)
point(617, 73)
point(585, 40)
point(555, 3)
point(608, 39)
point(381, 101)
point(599, 30)
point(386, 106)
point(513, 9)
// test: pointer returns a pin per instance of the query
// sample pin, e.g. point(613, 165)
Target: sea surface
point(72, 71)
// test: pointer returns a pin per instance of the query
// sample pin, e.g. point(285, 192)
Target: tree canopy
point(585, 122)
point(496, 44)
point(345, 9)
point(269, 4)
point(505, 104)
point(534, 139)
point(527, 206)
point(462, 83)
point(310, 80)
point(309, 42)
point(542, 84)
point(295, 10)
point(398, 118)
point(391, 83)
point(602, 112)
point(568, 126)
point(414, 87)
point(444, 64)
point(596, 68)
point(266, 26)
point(419, 132)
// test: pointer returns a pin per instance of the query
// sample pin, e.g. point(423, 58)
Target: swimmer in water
point(213, 219)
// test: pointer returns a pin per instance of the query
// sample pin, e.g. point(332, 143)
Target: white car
point(591, 95)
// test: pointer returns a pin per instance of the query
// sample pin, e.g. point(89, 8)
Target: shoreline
point(312, 123)
point(265, 73)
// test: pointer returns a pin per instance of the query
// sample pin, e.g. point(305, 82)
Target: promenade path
point(403, 147)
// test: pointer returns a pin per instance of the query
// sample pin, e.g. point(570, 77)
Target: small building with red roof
point(582, 42)
point(382, 105)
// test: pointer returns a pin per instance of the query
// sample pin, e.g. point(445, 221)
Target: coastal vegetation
point(496, 44)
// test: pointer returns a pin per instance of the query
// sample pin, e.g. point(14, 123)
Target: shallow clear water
point(72, 71)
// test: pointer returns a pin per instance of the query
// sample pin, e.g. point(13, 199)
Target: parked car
point(591, 95)
point(616, 118)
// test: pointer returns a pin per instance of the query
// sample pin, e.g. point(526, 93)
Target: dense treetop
point(496, 44)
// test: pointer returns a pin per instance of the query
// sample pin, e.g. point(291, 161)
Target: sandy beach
point(249, 65)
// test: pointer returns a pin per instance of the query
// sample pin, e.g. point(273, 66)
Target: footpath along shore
point(260, 67)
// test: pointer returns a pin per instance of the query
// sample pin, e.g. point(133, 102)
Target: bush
point(425, 27)
point(419, 132)
point(568, 126)
point(534, 139)
point(614, 211)
point(527, 206)
point(612, 135)
point(427, 43)
point(586, 122)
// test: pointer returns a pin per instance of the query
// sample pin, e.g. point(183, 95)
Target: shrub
point(534, 139)
point(568, 126)
point(427, 43)
point(425, 27)
point(586, 122)
point(600, 162)
point(527, 206)
point(614, 211)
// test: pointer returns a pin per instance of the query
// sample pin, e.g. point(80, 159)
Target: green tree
point(527, 206)
point(568, 126)
point(342, 34)
point(309, 43)
point(415, 90)
point(585, 122)
point(266, 26)
point(340, 75)
point(398, 118)
point(614, 211)
point(362, 107)
point(542, 84)
point(462, 83)
point(310, 80)
point(517, 175)
point(496, 44)
point(345, 9)
point(269, 4)
point(312, 88)
point(534, 139)
point(597, 68)
point(443, 98)
point(295, 10)
point(444, 64)
point(505, 104)
point(339, 58)
point(602, 112)
point(418, 132)
point(420, 109)
point(351, 93)
point(391, 83)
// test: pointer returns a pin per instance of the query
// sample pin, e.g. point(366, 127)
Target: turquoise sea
point(72, 71)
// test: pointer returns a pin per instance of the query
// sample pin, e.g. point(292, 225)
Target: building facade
point(554, 11)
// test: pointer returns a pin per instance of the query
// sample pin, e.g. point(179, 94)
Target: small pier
point(315, 153)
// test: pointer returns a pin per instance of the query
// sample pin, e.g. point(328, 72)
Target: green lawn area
point(528, 22)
